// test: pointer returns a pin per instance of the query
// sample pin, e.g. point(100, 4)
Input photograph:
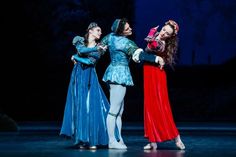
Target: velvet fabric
point(159, 124)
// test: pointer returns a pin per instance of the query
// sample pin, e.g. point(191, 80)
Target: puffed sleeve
point(78, 42)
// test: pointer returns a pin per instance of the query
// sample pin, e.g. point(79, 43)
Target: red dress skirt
point(159, 125)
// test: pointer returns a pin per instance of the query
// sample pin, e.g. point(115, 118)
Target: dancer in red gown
point(159, 125)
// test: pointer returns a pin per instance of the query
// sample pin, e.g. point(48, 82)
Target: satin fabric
point(159, 124)
point(86, 108)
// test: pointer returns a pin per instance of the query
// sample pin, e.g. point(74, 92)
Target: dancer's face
point(96, 32)
point(127, 30)
point(166, 32)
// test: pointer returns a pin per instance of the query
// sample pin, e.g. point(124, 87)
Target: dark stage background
point(36, 51)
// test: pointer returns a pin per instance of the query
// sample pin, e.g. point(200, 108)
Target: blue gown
point(86, 106)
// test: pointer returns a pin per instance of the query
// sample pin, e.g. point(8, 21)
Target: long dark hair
point(172, 44)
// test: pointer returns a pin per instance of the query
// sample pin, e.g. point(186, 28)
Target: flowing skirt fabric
point(86, 108)
point(159, 125)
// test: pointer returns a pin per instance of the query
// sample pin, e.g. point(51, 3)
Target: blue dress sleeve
point(83, 60)
point(82, 49)
point(85, 55)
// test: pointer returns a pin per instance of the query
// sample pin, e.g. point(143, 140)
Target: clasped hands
point(158, 60)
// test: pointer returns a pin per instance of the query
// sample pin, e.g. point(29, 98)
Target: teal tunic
point(121, 50)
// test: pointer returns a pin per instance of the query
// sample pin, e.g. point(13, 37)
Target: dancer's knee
point(112, 114)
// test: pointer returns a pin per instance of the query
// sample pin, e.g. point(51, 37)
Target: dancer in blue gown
point(86, 105)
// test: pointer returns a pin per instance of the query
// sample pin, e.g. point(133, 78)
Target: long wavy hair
point(172, 44)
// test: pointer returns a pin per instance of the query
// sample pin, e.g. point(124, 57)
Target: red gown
point(159, 125)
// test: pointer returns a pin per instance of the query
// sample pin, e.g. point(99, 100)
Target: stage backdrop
point(37, 48)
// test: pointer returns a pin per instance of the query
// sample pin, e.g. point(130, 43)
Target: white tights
point(114, 118)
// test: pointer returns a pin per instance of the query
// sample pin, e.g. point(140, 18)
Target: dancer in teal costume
point(118, 75)
point(86, 104)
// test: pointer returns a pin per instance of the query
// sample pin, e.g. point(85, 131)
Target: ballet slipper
point(93, 147)
point(180, 145)
point(150, 146)
point(122, 142)
point(116, 145)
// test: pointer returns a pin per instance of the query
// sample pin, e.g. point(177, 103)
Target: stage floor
point(41, 139)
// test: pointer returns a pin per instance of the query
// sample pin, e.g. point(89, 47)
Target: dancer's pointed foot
point(116, 145)
point(93, 147)
point(82, 147)
point(150, 146)
point(180, 145)
point(122, 142)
